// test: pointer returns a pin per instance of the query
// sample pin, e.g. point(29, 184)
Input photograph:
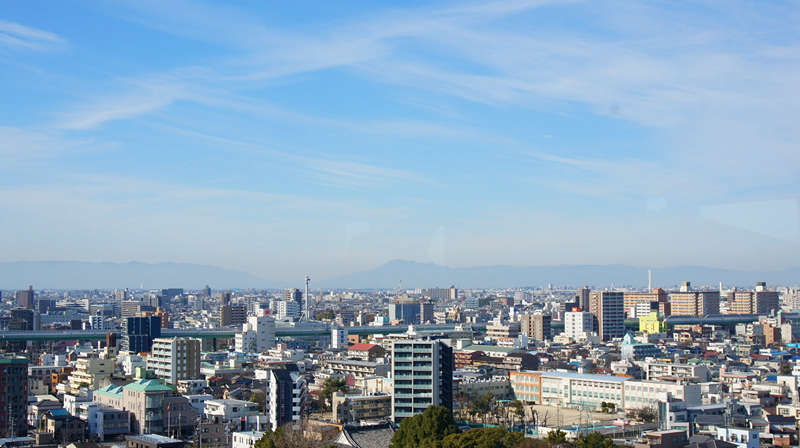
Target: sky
point(288, 139)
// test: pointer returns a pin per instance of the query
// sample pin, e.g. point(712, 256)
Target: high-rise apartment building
point(257, 336)
point(422, 371)
point(14, 393)
point(583, 296)
point(286, 396)
point(26, 298)
point(287, 309)
point(751, 302)
point(138, 333)
point(175, 359)
point(233, 315)
point(694, 303)
point(634, 298)
point(609, 309)
point(425, 312)
point(450, 293)
point(536, 326)
point(407, 310)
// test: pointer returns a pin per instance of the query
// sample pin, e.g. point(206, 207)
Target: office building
point(286, 396)
point(423, 376)
point(175, 359)
point(536, 326)
point(694, 303)
point(26, 298)
point(122, 296)
point(45, 305)
point(407, 310)
point(233, 315)
point(609, 309)
point(754, 302)
point(425, 312)
point(133, 308)
point(14, 393)
point(450, 293)
point(138, 333)
point(171, 293)
point(25, 316)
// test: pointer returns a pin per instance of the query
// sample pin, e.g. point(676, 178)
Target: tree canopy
point(429, 427)
point(332, 385)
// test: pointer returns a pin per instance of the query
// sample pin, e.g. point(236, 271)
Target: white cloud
point(19, 36)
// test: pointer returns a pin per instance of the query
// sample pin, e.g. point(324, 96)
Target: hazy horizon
point(322, 139)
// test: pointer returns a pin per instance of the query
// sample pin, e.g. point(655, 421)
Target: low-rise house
point(356, 408)
point(663, 439)
point(63, 426)
point(230, 409)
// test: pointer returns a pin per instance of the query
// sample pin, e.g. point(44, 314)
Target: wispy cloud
point(18, 36)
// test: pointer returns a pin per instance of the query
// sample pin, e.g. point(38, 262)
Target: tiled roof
point(362, 347)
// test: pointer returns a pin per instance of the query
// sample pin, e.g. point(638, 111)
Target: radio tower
point(308, 311)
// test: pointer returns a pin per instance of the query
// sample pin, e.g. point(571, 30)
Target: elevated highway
point(321, 329)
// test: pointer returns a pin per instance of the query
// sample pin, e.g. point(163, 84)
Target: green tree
point(557, 436)
point(786, 369)
point(332, 385)
point(593, 440)
point(483, 405)
point(483, 438)
point(326, 315)
point(430, 427)
point(260, 398)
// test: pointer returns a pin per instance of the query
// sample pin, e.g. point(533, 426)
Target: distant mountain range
point(422, 275)
point(82, 275)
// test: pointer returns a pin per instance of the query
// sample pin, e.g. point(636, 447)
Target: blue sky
point(320, 138)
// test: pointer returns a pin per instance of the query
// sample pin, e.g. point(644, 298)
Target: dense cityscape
point(664, 368)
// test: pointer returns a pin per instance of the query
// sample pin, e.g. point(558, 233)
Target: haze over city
point(322, 139)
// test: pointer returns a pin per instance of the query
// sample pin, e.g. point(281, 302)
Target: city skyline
point(322, 140)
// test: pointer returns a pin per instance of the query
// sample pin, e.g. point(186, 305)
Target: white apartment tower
point(578, 324)
point(257, 336)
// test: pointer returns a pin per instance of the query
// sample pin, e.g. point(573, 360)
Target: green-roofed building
point(155, 408)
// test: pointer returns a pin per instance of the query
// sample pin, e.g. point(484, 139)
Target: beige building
point(694, 303)
point(153, 406)
point(91, 370)
point(754, 302)
point(632, 298)
point(355, 408)
point(496, 329)
point(536, 326)
point(175, 359)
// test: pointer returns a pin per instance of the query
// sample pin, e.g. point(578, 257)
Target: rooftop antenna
point(308, 311)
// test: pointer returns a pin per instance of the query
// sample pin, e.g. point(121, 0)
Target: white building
point(290, 309)
point(246, 439)
point(642, 394)
point(175, 359)
point(230, 409)
point(339, 337)
point(581, 390)
point(742, 437)
point(97, 323)
point(257, 336)
point(578, 324)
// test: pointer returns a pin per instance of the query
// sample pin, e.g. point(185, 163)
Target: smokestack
point(649, 280)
